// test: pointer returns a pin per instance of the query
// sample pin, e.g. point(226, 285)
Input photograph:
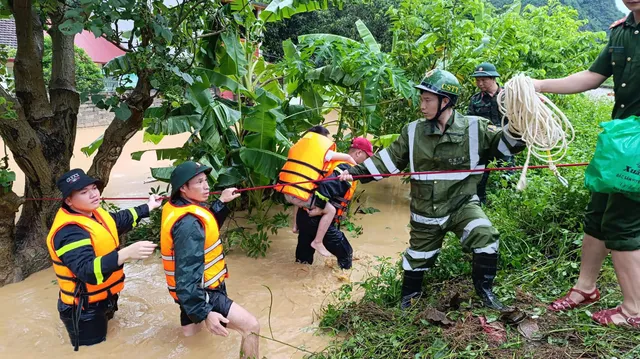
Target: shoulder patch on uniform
point(618, 22)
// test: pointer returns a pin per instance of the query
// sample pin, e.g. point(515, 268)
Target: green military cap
point(485, 69)
point(440, 82)
point(184, 172)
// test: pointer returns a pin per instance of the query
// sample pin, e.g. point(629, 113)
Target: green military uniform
point(486, 105)
point(483, 104)
point(615, 218)
point(443, 202)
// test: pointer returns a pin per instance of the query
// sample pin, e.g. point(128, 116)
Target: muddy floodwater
point(147, 324)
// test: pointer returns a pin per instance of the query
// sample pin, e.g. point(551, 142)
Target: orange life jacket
point(341, 203)
point(305, 162)
point(215, 268)
point(104, 239)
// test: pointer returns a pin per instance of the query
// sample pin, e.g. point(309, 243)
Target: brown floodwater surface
point(147, 324)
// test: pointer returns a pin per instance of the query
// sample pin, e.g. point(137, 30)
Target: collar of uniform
point(68, 209)
point(631, 21)
point(180, 201)
point(432, 125)
point(483, 93)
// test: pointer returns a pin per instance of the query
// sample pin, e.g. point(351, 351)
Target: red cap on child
point(361, 143)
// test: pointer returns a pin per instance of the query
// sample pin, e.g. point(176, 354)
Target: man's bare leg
point(248, 326)
point(593, 254)
point(191, 329)
point(295, 217)
point(627, 266)
point(328, 214)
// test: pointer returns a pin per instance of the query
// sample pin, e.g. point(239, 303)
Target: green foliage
point(332, 21)
point(600, 14)
point(458, 35)
point(7, 177)
point(5, 78)
point(547, 213)
point(89, 77)
point(244, 140)
point(346, 74)
point(541, 230)
point(149, 229)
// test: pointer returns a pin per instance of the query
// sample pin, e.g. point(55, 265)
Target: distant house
point(99, 50)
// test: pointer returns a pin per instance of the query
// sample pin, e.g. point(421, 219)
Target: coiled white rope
point(538, 122)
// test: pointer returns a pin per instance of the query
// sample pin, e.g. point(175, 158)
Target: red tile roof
point(100, 50)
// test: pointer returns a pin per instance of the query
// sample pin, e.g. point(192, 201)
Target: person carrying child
point(309, 160)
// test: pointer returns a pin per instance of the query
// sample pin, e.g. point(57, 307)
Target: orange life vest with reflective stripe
point(215, 268)
point(305, 162)
point(341, 203)
point(104, 239)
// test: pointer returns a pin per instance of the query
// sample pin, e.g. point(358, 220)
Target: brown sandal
point(566, 303)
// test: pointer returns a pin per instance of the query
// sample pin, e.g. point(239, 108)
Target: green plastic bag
point(615, 167)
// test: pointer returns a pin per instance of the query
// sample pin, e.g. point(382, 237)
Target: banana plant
point(244, 137)
point(352, 75)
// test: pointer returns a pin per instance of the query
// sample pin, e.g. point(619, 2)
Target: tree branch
point(181, 20)
point(22, 140)
point(271, 80)
point(63, 64)
point(211, 33)
point(29, 78)
point(130, 43)
point(117, 44)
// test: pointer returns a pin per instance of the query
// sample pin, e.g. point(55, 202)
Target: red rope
point(516, 168)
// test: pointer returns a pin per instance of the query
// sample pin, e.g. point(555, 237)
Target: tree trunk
point(41, 136)
point(120, 132)
point(9, 204)
point(40, 131)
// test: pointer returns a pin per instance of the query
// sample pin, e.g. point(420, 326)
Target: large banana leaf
point(89, 150)
point(284, 9)
point(385, 140)
point(327, 39)
point(174, 125)
point(264, 162)
point(333, 74)
point(231, 176)
point(121, 65)
point(263, 123)
point(199, 94)
point(223, 81)
point(209, 132)
point(367, 37)
point(232, 56)
point(163, 154)
point(226, 115)
point(162, 173)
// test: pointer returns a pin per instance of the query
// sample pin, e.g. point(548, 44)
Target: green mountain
point(600, 13)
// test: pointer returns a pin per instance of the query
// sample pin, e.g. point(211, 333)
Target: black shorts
point(218, 298)
point(615, 219)
point(334, 240)
point(92, 324)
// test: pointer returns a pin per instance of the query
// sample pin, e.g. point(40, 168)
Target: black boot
point(484, 271)
point(411, 288)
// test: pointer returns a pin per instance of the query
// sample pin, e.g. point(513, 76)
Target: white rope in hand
point(538, 122)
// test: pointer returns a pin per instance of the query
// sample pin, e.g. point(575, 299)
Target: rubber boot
point(411, 288)
point(484, 271)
